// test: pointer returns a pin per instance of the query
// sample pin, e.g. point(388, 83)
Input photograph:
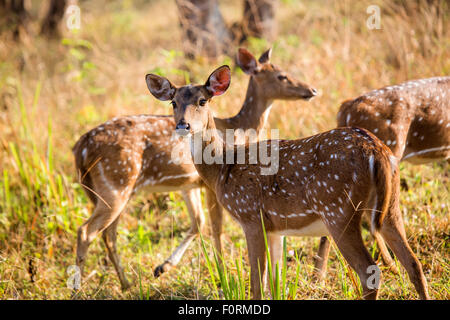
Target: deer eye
point(202, 102)
point(282, 77)
point(174, 104)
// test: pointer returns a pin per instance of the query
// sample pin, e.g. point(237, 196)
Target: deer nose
point(309, 94)
point(182, 127)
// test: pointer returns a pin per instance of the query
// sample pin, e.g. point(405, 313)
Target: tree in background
point(203, 27)
point(259, 19)
point(205, 32)
point(14, 17)
point(54, 15)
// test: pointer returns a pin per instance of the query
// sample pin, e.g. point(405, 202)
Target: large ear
point(265, 57)
point(219, 81)
point(246, 61)
point(160, 87)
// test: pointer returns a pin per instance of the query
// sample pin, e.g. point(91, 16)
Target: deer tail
point(384, 168)
point(79, 151)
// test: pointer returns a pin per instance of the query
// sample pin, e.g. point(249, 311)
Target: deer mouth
point(183, 128)
point(182, 132)
point(302, 93)
point(307, 98)
point(309, 95)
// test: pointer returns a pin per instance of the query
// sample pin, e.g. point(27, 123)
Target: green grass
point(53, 92)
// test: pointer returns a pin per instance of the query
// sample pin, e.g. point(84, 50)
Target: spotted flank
point(411, 118)
point(298, 196)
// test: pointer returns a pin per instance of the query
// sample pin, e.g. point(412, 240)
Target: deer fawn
point(323, 185)
point(123, 155)
point(412, 119)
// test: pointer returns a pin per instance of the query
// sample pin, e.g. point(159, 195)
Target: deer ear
point(265, 57)
point(246, 61)
point(219, 81)
point(160, 87)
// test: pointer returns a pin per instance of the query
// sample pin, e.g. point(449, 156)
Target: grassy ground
point(51, 93)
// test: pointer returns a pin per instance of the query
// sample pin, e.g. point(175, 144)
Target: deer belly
point(314, 229)
point(428, 140)
point(421, 156)
point(163, 188)
point(169, 183)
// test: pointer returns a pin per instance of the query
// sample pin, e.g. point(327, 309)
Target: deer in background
point(323, 185)
point(412, 119)
point(121, 156)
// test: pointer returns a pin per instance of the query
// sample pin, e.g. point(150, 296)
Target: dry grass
point(51, 93)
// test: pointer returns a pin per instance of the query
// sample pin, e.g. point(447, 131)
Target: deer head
point(190, 103)
point(276, 83)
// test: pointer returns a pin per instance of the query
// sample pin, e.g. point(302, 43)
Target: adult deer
point(125, 154)
point(412, 119)
point(322, 186)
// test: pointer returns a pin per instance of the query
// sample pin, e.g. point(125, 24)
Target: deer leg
point(320, 260)
point(194, 206)
point(385, 253)
point(275, 243)
point(257, 258)
point(102, 217)
point(110, 238)
point(216, 217)
point(349, 241)
point(393, 232)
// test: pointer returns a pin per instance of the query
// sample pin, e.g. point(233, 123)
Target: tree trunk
point(259, 19)
point(13, 17)
point(204, 30)
point(54, 15)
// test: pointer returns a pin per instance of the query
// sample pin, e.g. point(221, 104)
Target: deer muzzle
point(182, 128)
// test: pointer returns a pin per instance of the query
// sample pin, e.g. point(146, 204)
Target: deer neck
point(202, 143)
point(254, 111)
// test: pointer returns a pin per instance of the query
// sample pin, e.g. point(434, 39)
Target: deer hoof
point(125, 285)
point(393, 268)
point(161, 269)
point(318, 276)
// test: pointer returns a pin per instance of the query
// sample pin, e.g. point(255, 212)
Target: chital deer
point(322, 186)
point(411, 118)
point(123, 155)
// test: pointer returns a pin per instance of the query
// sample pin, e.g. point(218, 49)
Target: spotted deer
point(323, 185)
point(412, 119)
point(121, 156)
